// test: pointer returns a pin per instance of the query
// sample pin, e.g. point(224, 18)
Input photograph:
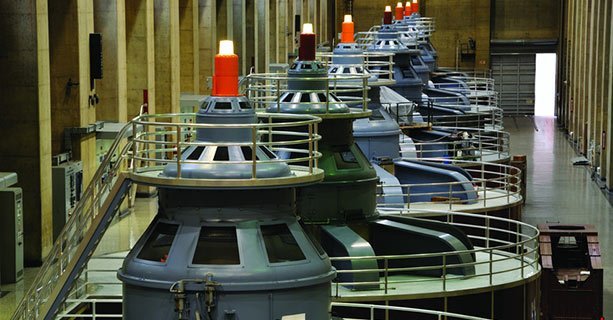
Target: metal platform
point(159, 140)
point(505, 258)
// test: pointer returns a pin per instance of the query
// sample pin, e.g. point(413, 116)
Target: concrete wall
point(586, 82)
point(25, 124)
point(526, 19)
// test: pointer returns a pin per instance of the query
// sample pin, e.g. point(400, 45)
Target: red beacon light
point(306, 51)
point(399, 13)
point(387, 15)
point(408, 9)
point(347, 30)
point(225, 78)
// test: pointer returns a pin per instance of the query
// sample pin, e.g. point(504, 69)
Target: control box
point(67, 190)
point(11, 235)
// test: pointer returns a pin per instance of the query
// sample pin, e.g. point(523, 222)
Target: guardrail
point(461, 144)
point(74, 231)
point(467, 72)
point(97, 300)
point(503, 255)
point(494, 185)
point(155, 143)
point(372, 310)
point(379, 65)
point(164, 138)
point(266, 89)
point(487, 117)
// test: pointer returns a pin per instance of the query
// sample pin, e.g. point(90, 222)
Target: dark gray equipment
point(226, 253)
point(67, 178)
point(11, 235)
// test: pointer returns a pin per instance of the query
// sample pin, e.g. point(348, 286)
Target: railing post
point(484, 186)
point(253, 152)
point(270, 132)
point(522, 260)
point(508, 183)
point(278, 95)
point(179, 151)
point(491, 265)
point(316, 143)
point(364, 94)
point(328, 94)
point(408, 196)
point(444, 272)
point(310, 148)
point(134, 146)
point(450, 196)
point(385, 273)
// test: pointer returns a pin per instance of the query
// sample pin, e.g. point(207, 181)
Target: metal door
point(514, 79)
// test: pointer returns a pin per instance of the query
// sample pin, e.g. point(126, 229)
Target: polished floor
point(557, 192)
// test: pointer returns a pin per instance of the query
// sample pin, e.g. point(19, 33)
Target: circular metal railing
point(266, 89)
point(471, 144)
point(505, 251)
point(465, 72)
point(479, 116)
point(378, 65)
point(373, 309)
point(164, 138)
point(491, 185)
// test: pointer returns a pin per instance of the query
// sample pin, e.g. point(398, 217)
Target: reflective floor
point(557, 192)
point(560, 192)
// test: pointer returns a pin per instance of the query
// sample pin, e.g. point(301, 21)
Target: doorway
point(545, 85)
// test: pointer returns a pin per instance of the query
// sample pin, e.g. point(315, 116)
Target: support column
point(140, 55)
point(167, 56)
point(262, 35)
point(207, 23)
point(110, 21)
point(602, 88)
point(609, 84)
point(26, 117)
point(189, 49)
point(239, 30)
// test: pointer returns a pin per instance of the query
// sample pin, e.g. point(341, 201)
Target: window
point(223, 106)
point(305, 97)
point(217, 245)
point(158, 245)
point(281, 246)
point(244, 105)
point(322, 97)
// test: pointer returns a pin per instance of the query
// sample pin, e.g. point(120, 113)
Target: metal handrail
point(481, 145)
point(72, 234)
point(520, 251)
point(144, 153)
point(266, 89)
point(492, 181)
point(376, 64)
point(372, 307)
point(470, 72)
point(479, 117)
point(163, 142)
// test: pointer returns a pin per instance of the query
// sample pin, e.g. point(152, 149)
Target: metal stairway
point(81, 234)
